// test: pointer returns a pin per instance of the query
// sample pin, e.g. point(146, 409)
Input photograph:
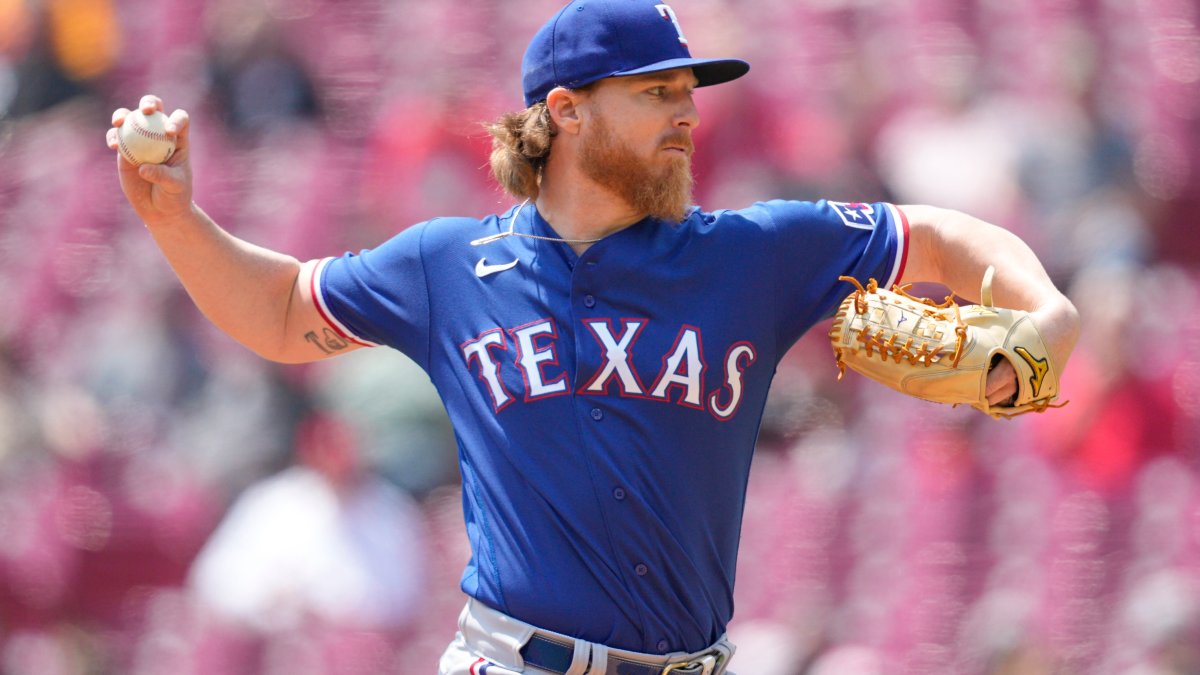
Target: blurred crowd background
point(171, 504)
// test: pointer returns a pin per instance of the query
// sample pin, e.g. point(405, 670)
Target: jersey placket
point(588, 302)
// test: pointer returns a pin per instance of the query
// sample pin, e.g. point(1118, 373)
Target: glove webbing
point(887, 344)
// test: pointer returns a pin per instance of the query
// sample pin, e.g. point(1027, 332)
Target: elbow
point(1059, 323)
point(1056, 304)
point(270, 353)
point(1071, 317)
point(275, 356)
point(275, 350)
point(280, 353)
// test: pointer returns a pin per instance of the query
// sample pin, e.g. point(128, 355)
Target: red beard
point(664, 193)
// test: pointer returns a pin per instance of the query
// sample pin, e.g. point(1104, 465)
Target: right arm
point(257, 296)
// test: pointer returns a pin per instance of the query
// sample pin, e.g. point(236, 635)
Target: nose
point(687, 115)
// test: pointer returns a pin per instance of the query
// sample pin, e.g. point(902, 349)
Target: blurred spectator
point(54, 51)
point(402, 430)
point(956, 145)
point(256, 82)
point(322, 541)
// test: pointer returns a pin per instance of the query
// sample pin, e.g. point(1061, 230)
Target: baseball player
point(604, 348)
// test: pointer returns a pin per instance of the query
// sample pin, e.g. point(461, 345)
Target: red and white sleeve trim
point(318, 296)
point(901, 222)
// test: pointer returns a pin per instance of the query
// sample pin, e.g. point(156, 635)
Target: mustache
point(680, 139)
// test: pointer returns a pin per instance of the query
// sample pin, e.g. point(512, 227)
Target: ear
point(563, 105)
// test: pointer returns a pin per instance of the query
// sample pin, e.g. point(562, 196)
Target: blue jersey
point(606, 405)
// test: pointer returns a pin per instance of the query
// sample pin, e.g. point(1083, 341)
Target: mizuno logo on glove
point(1039, 367)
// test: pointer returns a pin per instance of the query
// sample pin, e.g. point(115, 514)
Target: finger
point(162, 175)
point(119, 115)
point(1003, 396)
point(125, 167)
point(154, 173)
point(1001, 383)
point(150, 103)
point(110, 137)
point(177, 126)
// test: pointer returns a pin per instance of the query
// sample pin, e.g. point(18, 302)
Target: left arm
point(954, 249)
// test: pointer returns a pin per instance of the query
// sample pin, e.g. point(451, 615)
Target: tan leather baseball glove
point(942, 352)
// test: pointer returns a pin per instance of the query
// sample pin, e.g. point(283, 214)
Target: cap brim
point(707, 71)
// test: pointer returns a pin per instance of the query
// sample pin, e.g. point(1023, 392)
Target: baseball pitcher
point(604, 348)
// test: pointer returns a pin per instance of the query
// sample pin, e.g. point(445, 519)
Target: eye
point(657, 92)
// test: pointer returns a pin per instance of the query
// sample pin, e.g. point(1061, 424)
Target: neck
point(578, 208)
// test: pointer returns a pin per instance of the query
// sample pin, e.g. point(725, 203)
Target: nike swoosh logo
point(482, 269)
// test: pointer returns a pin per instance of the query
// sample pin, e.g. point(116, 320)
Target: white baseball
point(142, 139)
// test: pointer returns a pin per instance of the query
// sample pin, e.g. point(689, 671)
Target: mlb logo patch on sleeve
point(857, 215)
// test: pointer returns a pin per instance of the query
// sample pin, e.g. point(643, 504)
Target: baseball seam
point(126, 153)
point(143, 131)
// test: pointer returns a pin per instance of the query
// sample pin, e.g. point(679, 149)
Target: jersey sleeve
point(379, 296)
point(816, 242)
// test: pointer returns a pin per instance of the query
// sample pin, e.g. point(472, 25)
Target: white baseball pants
point(489, 642)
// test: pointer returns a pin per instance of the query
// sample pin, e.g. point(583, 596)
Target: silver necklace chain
point(512, 232)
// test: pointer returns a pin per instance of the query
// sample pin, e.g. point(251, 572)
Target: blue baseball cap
point(589, 40)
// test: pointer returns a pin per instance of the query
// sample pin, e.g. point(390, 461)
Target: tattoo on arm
point(328, 342)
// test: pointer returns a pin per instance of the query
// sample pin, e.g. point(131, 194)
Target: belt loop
point(580, 658)
point(727, 649)
point(599, 660)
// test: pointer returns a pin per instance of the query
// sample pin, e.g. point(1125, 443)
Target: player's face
point(638, 142)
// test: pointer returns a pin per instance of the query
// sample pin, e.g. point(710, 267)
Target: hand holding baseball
point(152, 159)
point(142, 138)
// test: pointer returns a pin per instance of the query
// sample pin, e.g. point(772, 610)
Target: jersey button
point(662, 645)
point(589, 301)
point(641, 569)
point(597, 414)
point(618, 493)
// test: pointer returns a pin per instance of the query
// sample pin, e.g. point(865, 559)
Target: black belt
point(556, 657)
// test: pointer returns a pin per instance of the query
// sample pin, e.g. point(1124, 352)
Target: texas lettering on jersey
point(679, 380)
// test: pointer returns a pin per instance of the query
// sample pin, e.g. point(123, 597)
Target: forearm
point(243, 289)
point(955, 249)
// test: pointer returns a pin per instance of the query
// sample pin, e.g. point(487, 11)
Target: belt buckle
point(707, 663)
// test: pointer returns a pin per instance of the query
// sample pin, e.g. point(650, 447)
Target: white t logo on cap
point(667, 13)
